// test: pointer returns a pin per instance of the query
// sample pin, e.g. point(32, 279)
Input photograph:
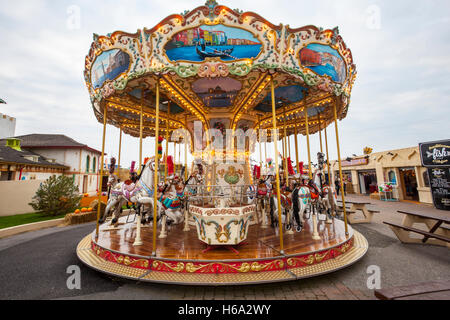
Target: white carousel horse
point(143, 194)
point(327, 194)
point(171, 200)
point(286, 204)
point(301, 202)
point(118, 197)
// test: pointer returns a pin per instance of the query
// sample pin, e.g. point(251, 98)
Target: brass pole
point(260, 146)
point(155, 186)
point(320, 133)
point(289, 147)
point(296, 151)
point(328, 157)
point(141, 128)
point(186, 141)
point(175, 155)
point(167, 142)
point(120, 151)
point(286, 172)
point(340, 166)
point(100, 187)
point(277, 168)
point(265, 151)
point(308, 143)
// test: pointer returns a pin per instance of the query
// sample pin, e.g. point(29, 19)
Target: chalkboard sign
point(435, 154)
point(440, 187)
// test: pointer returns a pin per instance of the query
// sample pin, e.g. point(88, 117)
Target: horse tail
point(272, 208)
point(295, 206)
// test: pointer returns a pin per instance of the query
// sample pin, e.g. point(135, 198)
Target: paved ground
point(33, 266)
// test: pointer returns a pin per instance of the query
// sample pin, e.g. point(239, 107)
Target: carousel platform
point(182, 259)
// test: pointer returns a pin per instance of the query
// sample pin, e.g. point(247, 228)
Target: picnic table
point(358, 206)
point(435, 290)
point(438, 225)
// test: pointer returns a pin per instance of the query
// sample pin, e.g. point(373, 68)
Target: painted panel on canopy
point(217, 92)
point(109, 65)
point(150, 96)
point(221, 41)
point(283, 96)
point(324, 60)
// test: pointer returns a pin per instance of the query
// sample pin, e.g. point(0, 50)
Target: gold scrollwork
point(158, 264)
point(320, 257)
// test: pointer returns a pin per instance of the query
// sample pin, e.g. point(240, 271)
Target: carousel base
point(182, 259)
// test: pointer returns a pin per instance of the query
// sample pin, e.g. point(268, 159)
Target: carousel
point(222, 85)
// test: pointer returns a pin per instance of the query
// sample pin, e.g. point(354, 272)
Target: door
point(85, 184)
point(362, 184)
point(409, 184)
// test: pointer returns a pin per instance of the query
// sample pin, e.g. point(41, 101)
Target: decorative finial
point(211, 4)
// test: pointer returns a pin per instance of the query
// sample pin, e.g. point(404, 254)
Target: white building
point(81, 160)
point(7, 126)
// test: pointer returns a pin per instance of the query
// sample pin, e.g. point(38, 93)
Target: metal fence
point(215, 195)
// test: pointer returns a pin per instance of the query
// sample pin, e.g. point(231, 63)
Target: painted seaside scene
point(323, 60)
point(218, 41)
point(217, 93)
point(284, 96)
point(108, 66)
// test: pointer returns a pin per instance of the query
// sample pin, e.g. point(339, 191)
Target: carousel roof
point(214, 65)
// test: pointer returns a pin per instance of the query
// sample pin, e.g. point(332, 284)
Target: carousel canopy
point(215, 65)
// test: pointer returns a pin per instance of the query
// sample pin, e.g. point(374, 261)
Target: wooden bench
point(422, 232)
point(438, 232)
point(356, 206)
point(435, 290)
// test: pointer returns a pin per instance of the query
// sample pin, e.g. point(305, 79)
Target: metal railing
point(214, 195)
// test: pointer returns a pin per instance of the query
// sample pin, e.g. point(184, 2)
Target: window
point(392, 178)
point(88, 163)
point(94, 168)
point(426, 179)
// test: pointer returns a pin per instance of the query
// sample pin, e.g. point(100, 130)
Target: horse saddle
point(262, 190)
point(315, 192)
point(170, 203)
point(286, 200)
point(130, 187)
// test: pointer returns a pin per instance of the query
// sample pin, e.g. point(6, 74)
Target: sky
point(401, 49)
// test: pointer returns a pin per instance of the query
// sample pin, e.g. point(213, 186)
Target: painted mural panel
point(323, 60)
point(284, 96)
point(163, 106)
point(108, 66)
point(219, 41)
point(217, 92)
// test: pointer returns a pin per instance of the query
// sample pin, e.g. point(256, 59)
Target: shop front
point(368, 182)
point(409, 185)
point(400, 168)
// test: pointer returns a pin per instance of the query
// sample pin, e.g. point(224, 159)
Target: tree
point(56, 196)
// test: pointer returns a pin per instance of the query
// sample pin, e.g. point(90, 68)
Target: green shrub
point(56, 196)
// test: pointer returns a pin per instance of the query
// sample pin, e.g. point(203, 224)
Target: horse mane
point(295, 198)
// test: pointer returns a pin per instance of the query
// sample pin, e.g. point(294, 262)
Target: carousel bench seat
point(397, 227)
point(435, 290)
